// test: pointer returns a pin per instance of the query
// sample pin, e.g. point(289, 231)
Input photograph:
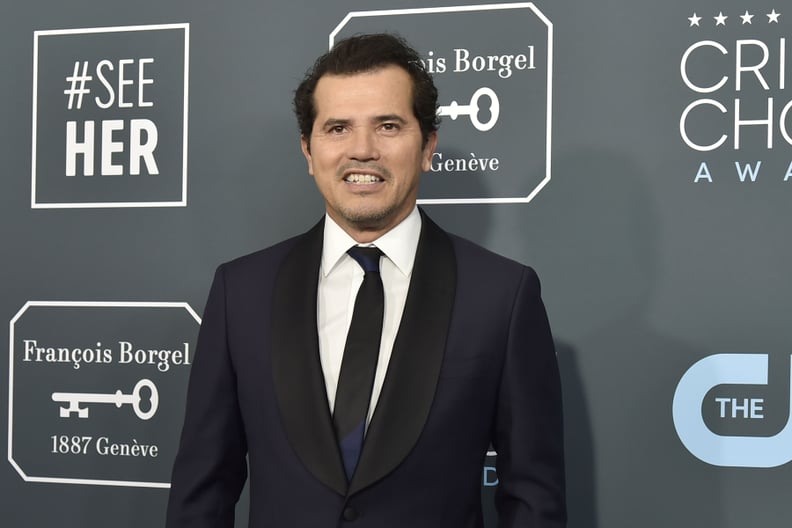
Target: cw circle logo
point(722, 450)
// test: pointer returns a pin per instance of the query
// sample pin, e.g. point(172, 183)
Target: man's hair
point(365, 53)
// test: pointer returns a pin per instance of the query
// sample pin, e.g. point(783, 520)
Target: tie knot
point(367, 257)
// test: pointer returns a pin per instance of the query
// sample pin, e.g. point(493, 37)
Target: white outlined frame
point(116, 29)
point(460, 9)
point(75, 304)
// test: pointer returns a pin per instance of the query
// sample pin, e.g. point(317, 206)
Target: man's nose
point(363, 145)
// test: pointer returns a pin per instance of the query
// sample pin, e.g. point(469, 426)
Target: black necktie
point(360, 359)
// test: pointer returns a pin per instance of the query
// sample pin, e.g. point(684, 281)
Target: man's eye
point(338, 129)
point(390, 127)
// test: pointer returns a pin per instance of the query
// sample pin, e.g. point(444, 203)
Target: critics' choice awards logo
point(110, 117)
point(492, 65)
point(728, 410)
point(734, 72)
point(96, 391)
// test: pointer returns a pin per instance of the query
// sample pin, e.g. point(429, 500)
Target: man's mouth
point(362, 179)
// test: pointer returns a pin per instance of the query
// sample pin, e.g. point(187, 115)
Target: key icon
point(77, 399)
point(473, 108)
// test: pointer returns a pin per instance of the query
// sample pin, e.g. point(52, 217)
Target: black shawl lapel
point(296, 368)
point(414, 367)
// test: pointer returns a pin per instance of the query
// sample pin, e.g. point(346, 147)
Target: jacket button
point(350, 513)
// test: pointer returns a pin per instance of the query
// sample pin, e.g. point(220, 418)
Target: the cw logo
point(718, 450)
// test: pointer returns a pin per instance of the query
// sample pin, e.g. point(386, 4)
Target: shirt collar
point(399, 244)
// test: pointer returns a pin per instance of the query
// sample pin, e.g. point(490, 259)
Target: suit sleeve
point(210, 467)
point(529, 425)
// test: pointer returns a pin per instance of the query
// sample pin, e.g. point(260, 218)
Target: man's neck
point(367, 234)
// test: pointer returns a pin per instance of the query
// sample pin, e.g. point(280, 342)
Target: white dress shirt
point(340, 277)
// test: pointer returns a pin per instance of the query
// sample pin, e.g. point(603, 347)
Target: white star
point(720, 20)
point(773, 17)
point(694, 20)
point(746, 18)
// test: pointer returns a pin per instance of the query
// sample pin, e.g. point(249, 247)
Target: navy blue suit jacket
point(473, 363)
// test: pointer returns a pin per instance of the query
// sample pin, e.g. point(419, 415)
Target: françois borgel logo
point(96, 390)
point(110, 117)
point(492, 65)
point(734, 75)
point(734, 410)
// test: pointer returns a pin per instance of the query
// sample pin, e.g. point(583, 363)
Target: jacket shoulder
point(268, 260)
point(261, 259)
point(469, 253)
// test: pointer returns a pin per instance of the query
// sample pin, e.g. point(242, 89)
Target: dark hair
point(364, 53)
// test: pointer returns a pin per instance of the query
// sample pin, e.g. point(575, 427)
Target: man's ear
point(305, 144)
point(428, 151)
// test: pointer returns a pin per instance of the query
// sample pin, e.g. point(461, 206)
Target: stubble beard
point(369, 217)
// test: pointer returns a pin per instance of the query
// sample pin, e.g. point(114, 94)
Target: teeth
point(362, 178)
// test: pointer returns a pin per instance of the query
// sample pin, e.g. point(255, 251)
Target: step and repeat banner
point(637, 155)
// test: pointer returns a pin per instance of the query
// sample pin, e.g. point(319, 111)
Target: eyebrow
point(390, 117)
point(331, 122)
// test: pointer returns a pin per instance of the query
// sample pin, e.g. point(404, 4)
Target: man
point(462, 351)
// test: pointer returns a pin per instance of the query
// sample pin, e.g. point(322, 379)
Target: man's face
point(366, 151)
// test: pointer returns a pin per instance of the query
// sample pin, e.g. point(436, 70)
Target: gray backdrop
point(643, 168)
